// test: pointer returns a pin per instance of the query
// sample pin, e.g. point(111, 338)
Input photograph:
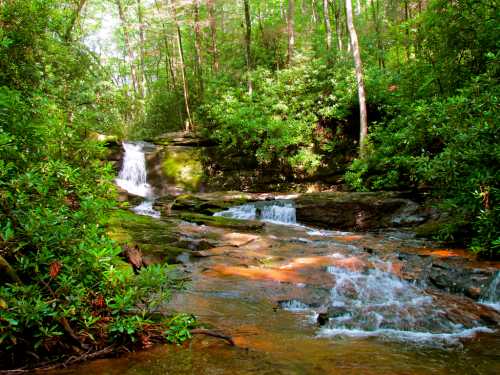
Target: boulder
point(357, 211)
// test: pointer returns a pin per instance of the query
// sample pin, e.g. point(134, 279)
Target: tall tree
point(197, 46)
point(363, 117)
point(248, 44)
point(185, 85)
point(74, 18)
point(128, 46)
point(142, 54)
point(213, 33)
point(290, 18)
point(328, 27)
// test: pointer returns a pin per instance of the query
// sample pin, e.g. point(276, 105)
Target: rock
point(354, 211)
point(331, 312)
point(206, 204)
point(222, 222)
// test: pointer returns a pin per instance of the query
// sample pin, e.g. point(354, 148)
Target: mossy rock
point(206, 205)
point(156, 238)
point(222, 222)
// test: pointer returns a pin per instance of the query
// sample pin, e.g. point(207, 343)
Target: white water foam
point(375, 303)
point(277, 211)
point(133, 178)
point(492, 297)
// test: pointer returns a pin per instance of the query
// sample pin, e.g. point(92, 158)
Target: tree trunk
point(185, 86)
point(213, 33)
point(291, 30)
point(142, 80)
point(328, 27)
point(338, 28)
point(130, 53)
point(363, 122)
point(248, 41)
point(74, 18)
point(197, 46)
point(314, 11)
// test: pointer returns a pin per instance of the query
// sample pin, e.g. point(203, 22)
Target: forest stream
point(303, 300)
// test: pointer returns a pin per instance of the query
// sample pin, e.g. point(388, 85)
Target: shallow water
point(267, 289)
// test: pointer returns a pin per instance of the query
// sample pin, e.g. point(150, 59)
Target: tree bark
point(213, 33)
point(314, 11)
point(363, 122)
point(328, 27)
point(185, 86)
point(248, 41)
point(291, 30)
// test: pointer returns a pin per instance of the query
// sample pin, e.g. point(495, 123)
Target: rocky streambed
point(318, 283)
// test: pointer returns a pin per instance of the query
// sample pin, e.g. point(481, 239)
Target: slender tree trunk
point(363, 125)
point(314, 11)
point(197, 46)
point(213, 33)
point(291, 30)
point(185, 86)
point(74, 18)
point(142, 80)
point(328, 27)
point(248, 44)
point(338, 28)
point(130, 53)
point(380, 46)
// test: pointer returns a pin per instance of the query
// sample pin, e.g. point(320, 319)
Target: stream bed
point(302, 300)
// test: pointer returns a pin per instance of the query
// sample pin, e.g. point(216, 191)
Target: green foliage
point(55, 191)
point(279, 124)
point(179, 328)
point(450, 144)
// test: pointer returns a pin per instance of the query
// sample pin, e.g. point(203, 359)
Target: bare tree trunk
point(213, 32)
point(314, 11)
point(185, 86)
point(328, 27)
point(291, 30)
point(128, 47)
point(197, 46)
point(363, 122)
point(142, 81)
point(338, 28)
point(248, 41)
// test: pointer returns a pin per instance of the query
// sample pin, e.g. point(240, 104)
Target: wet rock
point(205, 205)
point(331, 312)
point(355, 211)
point(222, 222)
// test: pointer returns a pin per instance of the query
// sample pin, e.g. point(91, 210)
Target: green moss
point(222, 222)
point(183, 167)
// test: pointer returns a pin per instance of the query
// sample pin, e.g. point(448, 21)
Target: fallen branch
point(9, 270)
point(207, 332)
point(70, 361)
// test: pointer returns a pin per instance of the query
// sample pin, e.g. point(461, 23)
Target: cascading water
point(277, 211)
point(492, 297)
point(133, 178)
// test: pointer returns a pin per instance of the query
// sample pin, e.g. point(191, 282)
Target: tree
point(363, 122)
point(328, 27)
point(248, 43)
point(290, 18)
point(213, 34)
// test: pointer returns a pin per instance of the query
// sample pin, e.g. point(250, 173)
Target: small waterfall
point(377, 303)
point(133, 177)
point(492, 296)
point(277, 211)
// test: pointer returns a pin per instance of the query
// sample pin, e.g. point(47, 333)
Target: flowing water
point(133, 177)
point(298, 300)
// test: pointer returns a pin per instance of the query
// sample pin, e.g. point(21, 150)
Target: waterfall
point(277, 211)
point(133, 177)
point(492, 296)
